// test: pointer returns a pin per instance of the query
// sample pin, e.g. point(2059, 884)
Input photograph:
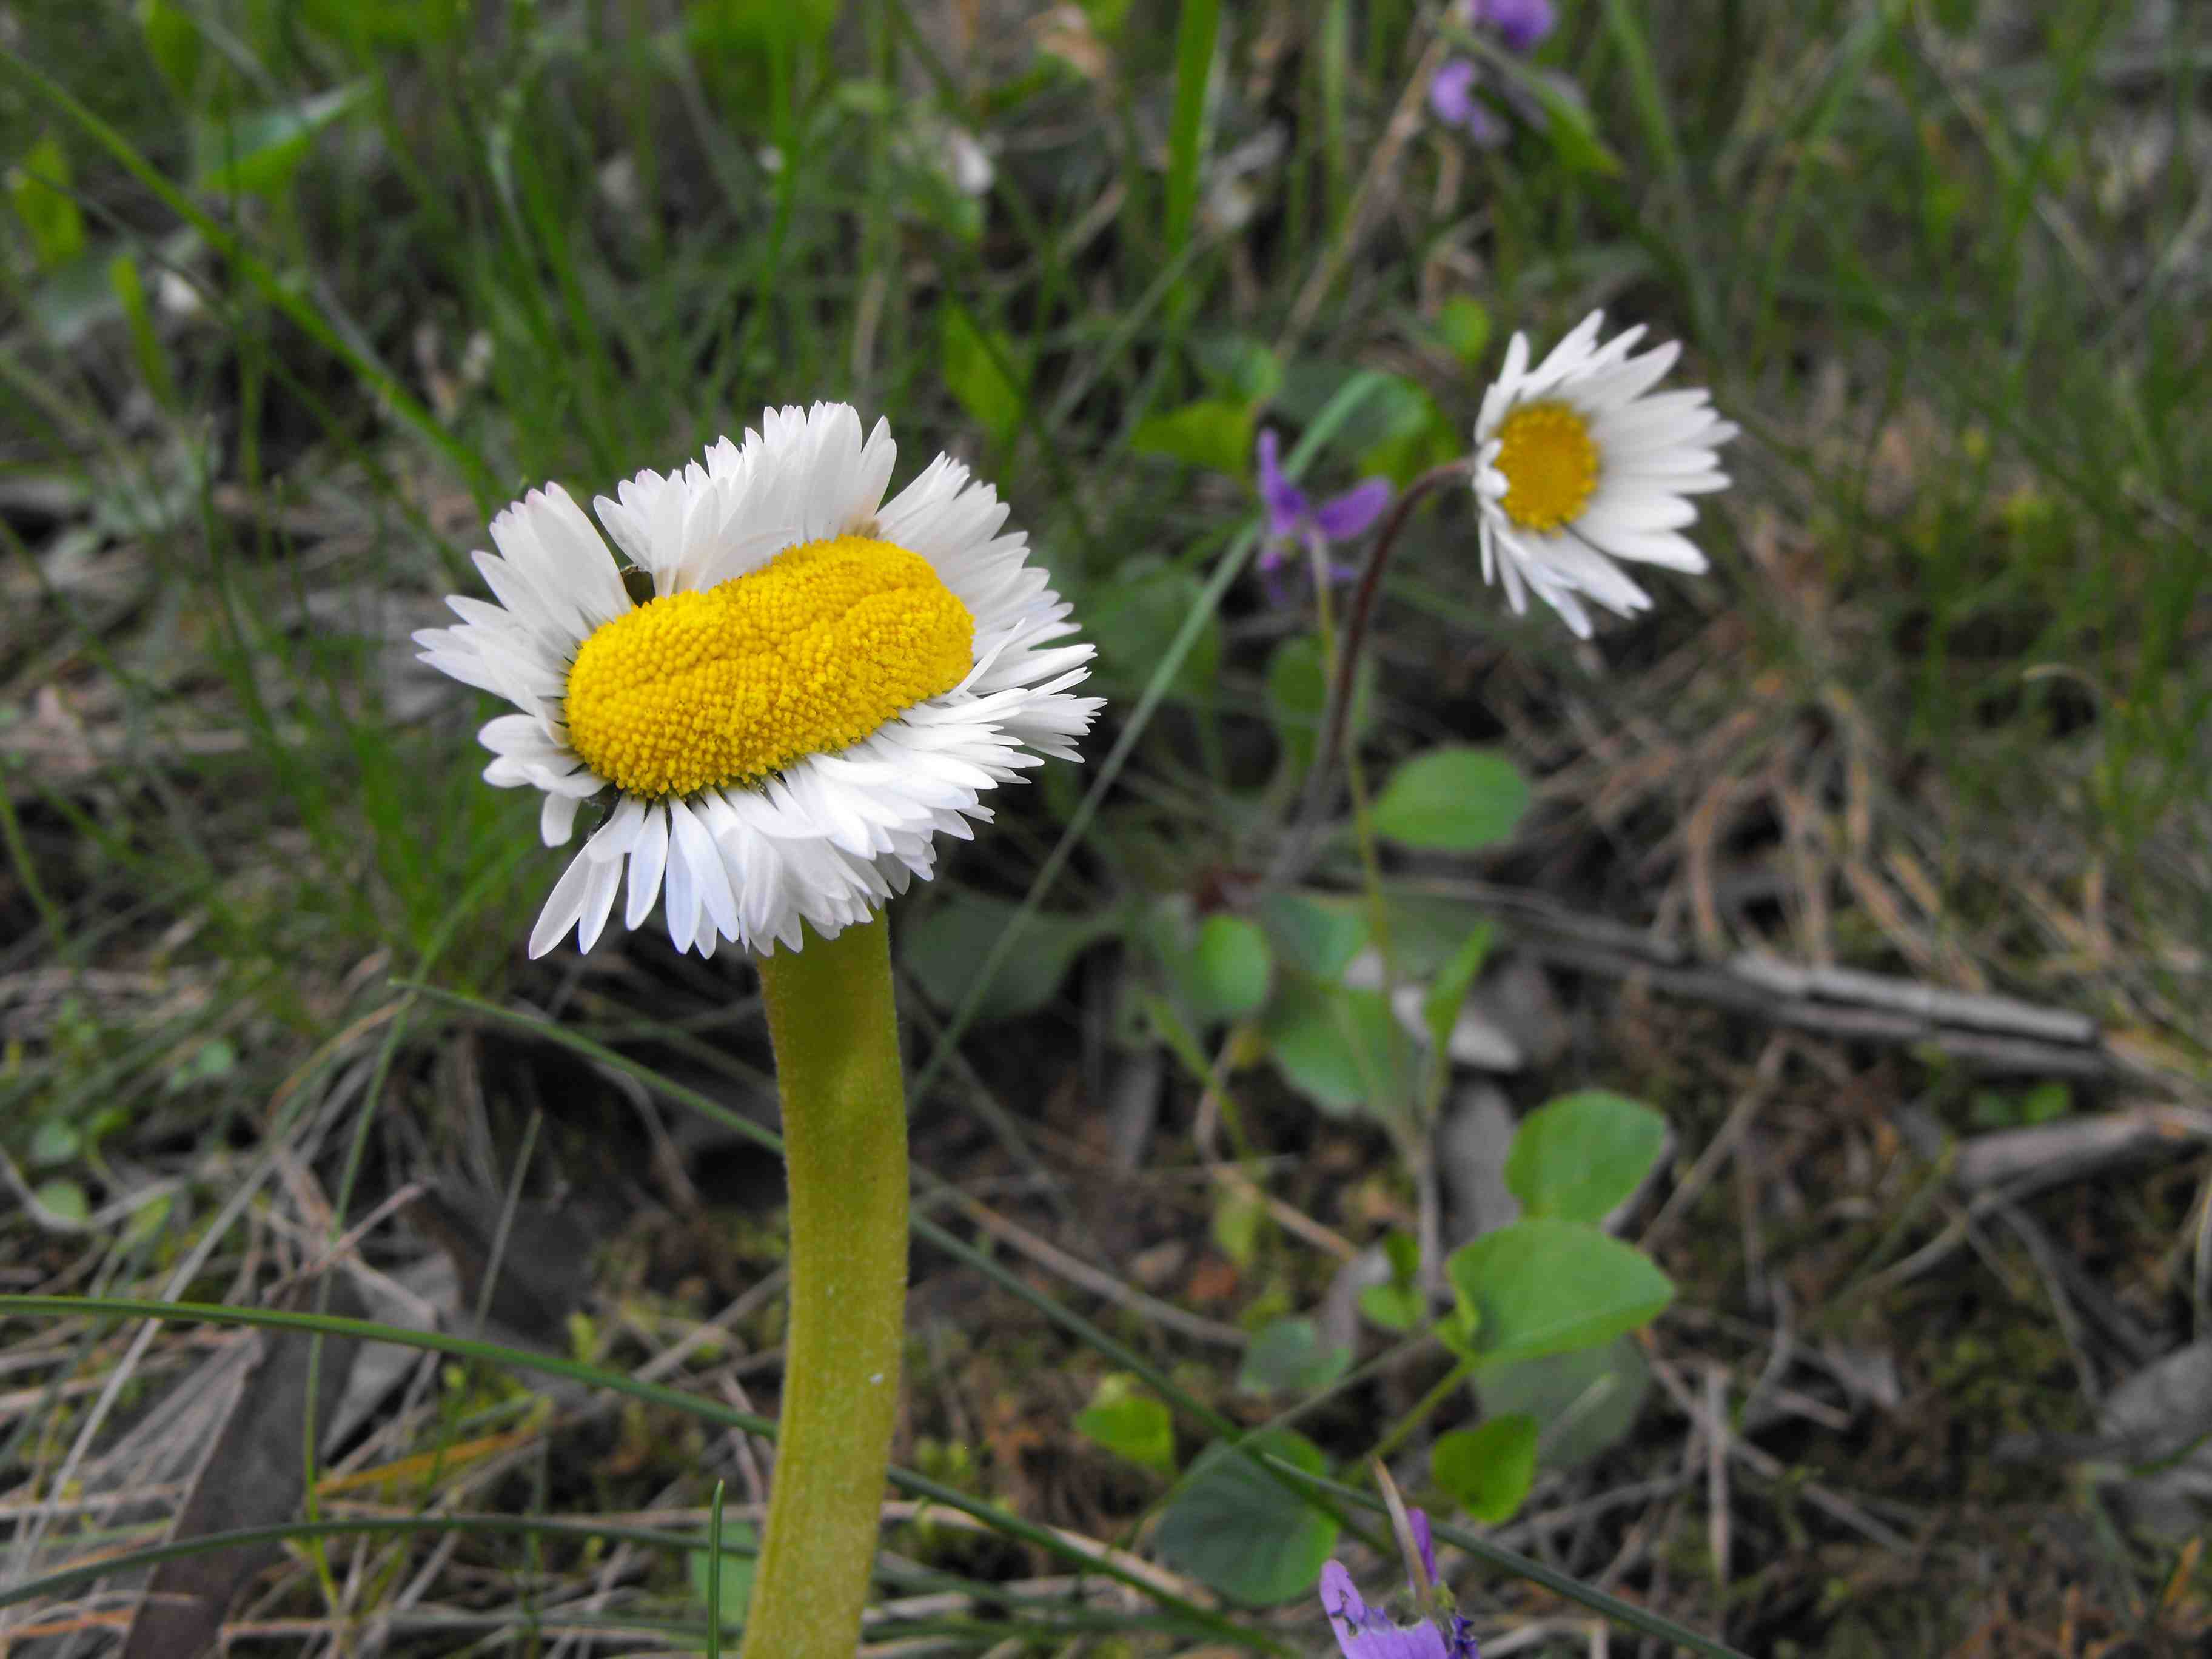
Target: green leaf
point(1396, 1308)
point(1582, 1402)
point(173, 41)
point(1239, 367)
point(1287, 1357)
point(1233, 1528)
point(1399, 1305)
point(1452, 800)
point(1426, 437)
point(1230, 968)
point(1464, 325)
point(977, 367)
point(145, 342)
point(944, 950)
point(760, 25)
point(1580, 1157)
point(1542, 1286)
point(735, 1568)
point(37, 189)
point(1568, 125)
point(1488, 1469)
point(54, 1141)
point(1147, 603)
point(65, 1199)
point(1238, 1219)
point(1129, 1423)
point(1210, 432)
point(1297, 696)
point(1339, 1048)
point(1448, 992)
point(2046, 1101)
point(258, 154)
point(1318, 934)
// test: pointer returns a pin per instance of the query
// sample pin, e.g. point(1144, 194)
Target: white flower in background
point(1579, 464)
point(820, 684)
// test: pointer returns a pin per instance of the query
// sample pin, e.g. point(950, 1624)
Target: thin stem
point(1347, 666)
point(831, 1016)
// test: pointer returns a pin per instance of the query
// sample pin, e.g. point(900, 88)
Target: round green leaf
point(1543, 1286)
point(1237, 1530)
point(1317, 934)
point(1287, 1357)
point(1452, 800)
point(1341, 1049)
point(1582, 1402)
point(1230, 966)
point(1129, 1423)
point(1581, 1157)
point(1489, 1469)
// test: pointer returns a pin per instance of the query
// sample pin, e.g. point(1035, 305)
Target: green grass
point(1943, 261)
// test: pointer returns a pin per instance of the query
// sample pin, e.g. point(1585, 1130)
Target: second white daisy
point(818, 686)
point(1580, 464)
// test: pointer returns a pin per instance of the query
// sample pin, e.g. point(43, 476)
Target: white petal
point(563, 906)
point(557, 818)
point(646, 860)
point(598, 899)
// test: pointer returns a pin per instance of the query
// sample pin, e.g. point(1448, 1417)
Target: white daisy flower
point(1578, 463)
point(819, 686)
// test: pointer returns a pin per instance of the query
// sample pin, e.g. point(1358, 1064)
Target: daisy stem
point(831, 1016)
point(1361, 616)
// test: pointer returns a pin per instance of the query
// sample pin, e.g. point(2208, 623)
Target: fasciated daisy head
point(819, 684)
point(1580, 464)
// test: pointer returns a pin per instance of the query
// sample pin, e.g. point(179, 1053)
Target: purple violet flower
point(1522, 25)
point(1366, 1632)
point(1295, 524)
point(1453, 102)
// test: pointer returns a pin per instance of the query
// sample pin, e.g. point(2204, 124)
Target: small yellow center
point(1549, 463)
point(807, 654)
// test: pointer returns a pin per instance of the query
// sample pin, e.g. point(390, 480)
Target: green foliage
point(1130, 1424)
point(1583, 1401)
point(945, 949)
point(1397, 1303)
point(1341, 1049)
point(1452, 800)
point(761, 26)
point(1297, 699)
point(733, 1567)
point(1287, 1357)
point(1213, 432)
point(1316, 934)
point(1133, 617)
point(1226, 973)
point(1543, 1286)
point(1464, 326)
point(258, 154)
point(37, 189)
point(1447, 992)
point(1234, 1529)
point(979, 367)
point(1488, 1469)
point(1579, 1157)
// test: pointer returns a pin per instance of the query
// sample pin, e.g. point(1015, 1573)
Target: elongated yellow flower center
point(806, 655)
point(1550, 464)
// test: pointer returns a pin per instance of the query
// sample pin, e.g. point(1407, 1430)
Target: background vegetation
point(297, 294)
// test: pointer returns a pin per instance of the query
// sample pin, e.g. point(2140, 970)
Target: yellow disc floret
point(1550, 464)
point(808, 654)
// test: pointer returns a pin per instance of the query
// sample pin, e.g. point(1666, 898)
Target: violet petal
point(1284, 501)
point(1348, 514)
